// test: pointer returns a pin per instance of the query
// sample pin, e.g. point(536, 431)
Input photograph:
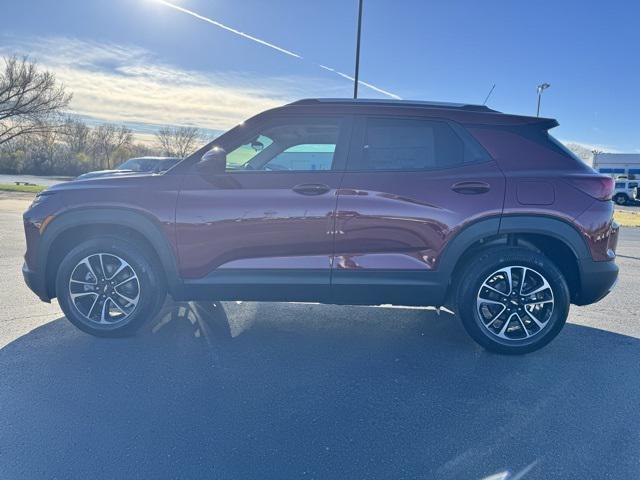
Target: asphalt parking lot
point(256, 390)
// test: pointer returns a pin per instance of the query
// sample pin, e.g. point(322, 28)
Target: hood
point(100, 182)
point(105, 173)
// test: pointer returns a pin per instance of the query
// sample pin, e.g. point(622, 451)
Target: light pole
point(541, 88)
point(355, 81)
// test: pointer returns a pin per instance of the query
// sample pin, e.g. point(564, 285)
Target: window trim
point(356, 149)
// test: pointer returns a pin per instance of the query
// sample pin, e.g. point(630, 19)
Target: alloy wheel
point(515, 303)
point(104, 289)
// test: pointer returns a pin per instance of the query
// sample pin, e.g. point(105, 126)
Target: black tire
point(490, 262)
point(620, 199)
point(150, 291)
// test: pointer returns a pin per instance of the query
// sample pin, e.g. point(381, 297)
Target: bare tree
point(107, 140)
point(30, 99)
point(582, 152)
point(178, 141)
point(76, 135)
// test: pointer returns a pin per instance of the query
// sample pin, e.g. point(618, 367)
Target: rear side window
point(411, 144)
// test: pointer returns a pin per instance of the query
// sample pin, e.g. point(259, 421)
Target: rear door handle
point(471, 188)
point(311, 188)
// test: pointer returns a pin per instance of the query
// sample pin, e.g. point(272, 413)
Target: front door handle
point(471, 188)
point(311, 188)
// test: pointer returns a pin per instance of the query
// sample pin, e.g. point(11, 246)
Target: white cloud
point(128, 84)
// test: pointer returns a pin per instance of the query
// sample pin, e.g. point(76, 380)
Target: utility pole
point(357, 72)
point(541, 88)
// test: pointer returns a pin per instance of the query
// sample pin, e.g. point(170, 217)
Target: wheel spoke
point(95, 300)
point(524, 275)
point(539, 289)
point(536, 321)
point(122, 266)
point(496, 317)
point(491, 302)
point(508, 272)
point(132, 301)
point(114, 303)
point(81, 294)
point(504, 327)
point(133, 277)
point(104, 274)
point(485, 285)
point(102, 312)
point(87, 264)
point(524, 327)
point(537, 302)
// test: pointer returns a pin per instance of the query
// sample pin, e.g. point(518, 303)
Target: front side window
point(301, 144)
point(412, 144)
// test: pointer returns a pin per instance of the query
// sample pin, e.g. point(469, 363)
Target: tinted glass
point(316, 156)
point(238, 158)
point(132, 164)
point(301, 144)
point(409, 144)
point(167, 164)
point(140, 164)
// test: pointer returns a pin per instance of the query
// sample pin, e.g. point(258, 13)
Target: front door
point(265, 227)
point(411, 185)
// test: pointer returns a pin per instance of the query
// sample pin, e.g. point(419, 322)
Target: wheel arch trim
point(525, 224)
point(139, 222)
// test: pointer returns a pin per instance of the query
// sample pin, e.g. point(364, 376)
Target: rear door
point(411, 185)
point(263, 230)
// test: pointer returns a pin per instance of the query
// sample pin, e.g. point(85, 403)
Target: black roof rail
point(400, 103)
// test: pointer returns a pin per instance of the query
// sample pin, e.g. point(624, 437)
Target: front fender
point(121, 217)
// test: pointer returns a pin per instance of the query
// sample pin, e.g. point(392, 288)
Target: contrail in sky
point(271, 45)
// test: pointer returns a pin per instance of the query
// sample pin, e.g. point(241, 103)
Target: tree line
point(38, 137)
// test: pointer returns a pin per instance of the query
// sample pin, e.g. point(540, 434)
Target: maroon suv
point(341, 201)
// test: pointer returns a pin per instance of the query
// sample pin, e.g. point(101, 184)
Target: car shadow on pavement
point(307, 391)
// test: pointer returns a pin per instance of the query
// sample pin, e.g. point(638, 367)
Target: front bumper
point(35, 283)
point(597, 279)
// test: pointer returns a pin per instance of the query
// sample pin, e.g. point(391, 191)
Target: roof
point(395, 103)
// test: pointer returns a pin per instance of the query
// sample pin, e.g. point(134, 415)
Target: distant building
point(616, 164)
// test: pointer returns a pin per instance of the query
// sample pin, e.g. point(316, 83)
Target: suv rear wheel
point(109, 287)
point(620, 198)
point(512, 300)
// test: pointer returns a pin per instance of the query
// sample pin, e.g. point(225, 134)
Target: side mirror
point(213, 162)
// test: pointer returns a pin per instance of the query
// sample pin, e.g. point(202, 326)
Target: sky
point(147, 63)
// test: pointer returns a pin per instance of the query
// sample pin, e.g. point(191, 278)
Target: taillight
point(597, 186)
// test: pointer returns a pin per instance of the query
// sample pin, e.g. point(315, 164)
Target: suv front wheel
point(109, 287)
point(512, 300)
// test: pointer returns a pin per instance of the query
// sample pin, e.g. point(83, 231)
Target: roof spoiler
point(544, 123)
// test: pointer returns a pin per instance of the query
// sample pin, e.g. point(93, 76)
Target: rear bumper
point(597, 279)
point(36, 283)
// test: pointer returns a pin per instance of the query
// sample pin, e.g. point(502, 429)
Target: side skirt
point(412, 288)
